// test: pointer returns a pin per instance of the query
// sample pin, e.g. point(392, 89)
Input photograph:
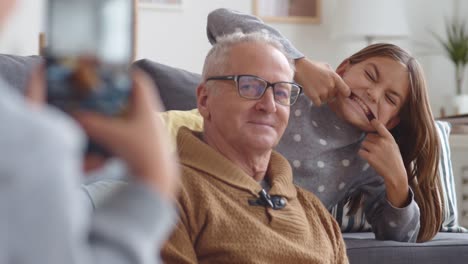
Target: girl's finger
point(380, 128)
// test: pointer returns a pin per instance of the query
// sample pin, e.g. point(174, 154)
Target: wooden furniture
point(288, 11)
point(42, 44)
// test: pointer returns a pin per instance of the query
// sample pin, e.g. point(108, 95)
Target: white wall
point(425, 16)
point(178, 37)
point(20, 34)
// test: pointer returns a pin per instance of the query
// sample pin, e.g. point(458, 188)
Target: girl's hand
point(381, 151)
point(321, 83)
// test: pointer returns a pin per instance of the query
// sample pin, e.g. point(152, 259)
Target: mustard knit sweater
point(217, 224)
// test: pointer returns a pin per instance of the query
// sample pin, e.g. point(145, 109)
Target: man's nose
point(267, 102)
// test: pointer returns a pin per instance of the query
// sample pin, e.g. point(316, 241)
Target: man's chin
point(263, 143)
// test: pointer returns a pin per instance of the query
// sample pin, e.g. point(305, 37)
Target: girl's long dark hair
point(417, 138)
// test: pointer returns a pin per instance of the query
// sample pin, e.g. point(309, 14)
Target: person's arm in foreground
point(48, 222)
point(321, 83)
point(141, 141)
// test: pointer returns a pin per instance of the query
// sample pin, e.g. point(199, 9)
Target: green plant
point(456, 47)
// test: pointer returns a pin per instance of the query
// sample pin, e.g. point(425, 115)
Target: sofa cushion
point(15, 70)
point(177, 87)
point(174, 119)
point(450, 223)
point(362, 248)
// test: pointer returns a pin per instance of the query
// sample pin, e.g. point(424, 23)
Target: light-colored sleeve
point(131, 226)
point(41, 162)
point(389, 222)
point(46, 219)
point(125, 212)
point(128, 214)
point(225, 21)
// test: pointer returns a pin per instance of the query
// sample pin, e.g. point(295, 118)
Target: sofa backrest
point(15, 70)
point(177, 89)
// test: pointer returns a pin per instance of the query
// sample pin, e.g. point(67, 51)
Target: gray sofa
point(177, 89)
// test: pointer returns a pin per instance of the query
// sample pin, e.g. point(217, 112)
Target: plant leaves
point(456, 43)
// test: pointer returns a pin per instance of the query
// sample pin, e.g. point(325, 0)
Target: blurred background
point(173, 32)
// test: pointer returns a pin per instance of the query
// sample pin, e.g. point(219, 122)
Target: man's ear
point(344, 66)
point(202, 101)
point(392, 123)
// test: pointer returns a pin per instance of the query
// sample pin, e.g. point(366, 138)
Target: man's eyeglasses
point(253, 87)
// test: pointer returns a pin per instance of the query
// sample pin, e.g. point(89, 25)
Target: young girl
point(373, 146)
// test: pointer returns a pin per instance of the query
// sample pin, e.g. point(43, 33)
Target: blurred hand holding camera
point(138, 137)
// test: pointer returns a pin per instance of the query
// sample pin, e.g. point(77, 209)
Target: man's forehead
point(252, 47)
point(246, 55)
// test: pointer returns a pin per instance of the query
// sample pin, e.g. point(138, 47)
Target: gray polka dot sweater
point(322, 149)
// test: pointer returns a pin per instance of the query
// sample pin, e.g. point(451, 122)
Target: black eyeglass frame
point(236, 78)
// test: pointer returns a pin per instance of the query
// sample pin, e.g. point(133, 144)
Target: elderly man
point(238, 203)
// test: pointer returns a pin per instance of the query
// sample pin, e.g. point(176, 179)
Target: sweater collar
point(195, 153)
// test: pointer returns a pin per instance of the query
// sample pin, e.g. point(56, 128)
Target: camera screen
point(88, 54)
point(102, 28)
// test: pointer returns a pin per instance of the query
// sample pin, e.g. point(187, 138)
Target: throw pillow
point(15, 70)
point(175, 119)
point(450, 223)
